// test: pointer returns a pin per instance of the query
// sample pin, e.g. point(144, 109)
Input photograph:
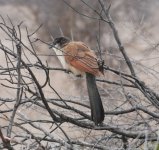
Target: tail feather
point(97, 110)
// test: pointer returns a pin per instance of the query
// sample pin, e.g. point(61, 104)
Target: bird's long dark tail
point(97, 110)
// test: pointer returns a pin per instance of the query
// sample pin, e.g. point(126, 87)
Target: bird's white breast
point(60, 54)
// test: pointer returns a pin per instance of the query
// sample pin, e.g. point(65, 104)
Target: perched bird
point(80, 59)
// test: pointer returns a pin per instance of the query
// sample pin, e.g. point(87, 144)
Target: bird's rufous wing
point(81, 57)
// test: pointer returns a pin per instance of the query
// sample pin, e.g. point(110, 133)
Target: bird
point(79, 59)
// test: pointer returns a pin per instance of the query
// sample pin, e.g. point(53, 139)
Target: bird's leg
point(68, 71)
point(79, 76)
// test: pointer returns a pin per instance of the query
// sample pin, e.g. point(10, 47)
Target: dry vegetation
point(39, 111)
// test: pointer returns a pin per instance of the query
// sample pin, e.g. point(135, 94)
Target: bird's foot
point(79, 76)
point(67, 71)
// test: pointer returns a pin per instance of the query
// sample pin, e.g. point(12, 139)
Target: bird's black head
point(60, 42)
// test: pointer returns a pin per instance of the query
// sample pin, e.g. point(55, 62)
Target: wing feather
point(81, 57)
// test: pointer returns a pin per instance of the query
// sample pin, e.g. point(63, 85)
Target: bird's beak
point(51, 45)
